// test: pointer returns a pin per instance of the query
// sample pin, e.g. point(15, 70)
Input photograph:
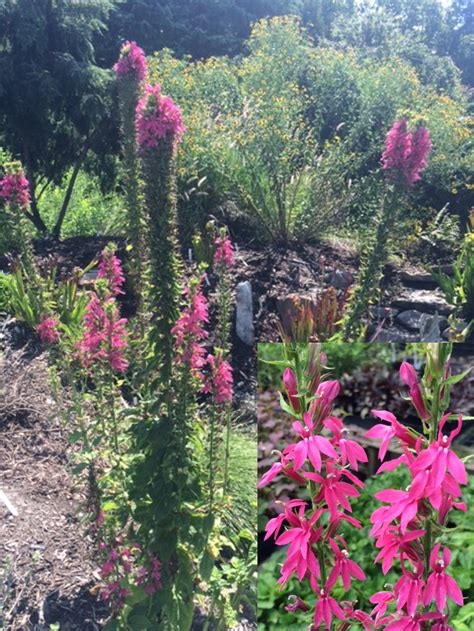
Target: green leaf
point(457, 378)
point(206, 566)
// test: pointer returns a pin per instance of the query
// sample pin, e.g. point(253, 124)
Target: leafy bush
point(292, 132)
point(91, 211)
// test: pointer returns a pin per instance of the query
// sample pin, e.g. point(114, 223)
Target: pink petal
point(325, 446)
point(456, 468)
point(300, 453)
point(454, 591)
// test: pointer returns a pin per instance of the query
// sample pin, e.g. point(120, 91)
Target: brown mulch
point(48, 573)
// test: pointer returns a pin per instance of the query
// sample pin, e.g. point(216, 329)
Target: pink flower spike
point(14, 189)
point(157, 117)
point(132, 61)
point(224, 252)
point(110, 268)
point(439, 584)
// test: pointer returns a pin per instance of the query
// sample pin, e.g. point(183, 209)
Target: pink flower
point(343, 567)
point(439, 584)
point(289, 381)
point(403, 506)
point(392, 541)
point(310, 447)
point(14, 189)
point(380, 600)
point(297, 604)
point(278, 467)
point(224, 252)
point(439, 458)
point(350, 450)
point(325, 393)
point(408, 376)
point(358, 616)
point(408, 588)
point(300, 558)
point(110, 268)
point(326, 606)
point(334, 491)
point(411, 622)
point(47, 330)
point(189, 330)
point(386, 433)
point(220, 382)
point(405, 154)
point(132, 61)
point(157, 117)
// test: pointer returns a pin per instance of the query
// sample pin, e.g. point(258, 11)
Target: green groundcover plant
point(328, 546)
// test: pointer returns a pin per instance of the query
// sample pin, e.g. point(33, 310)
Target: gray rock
point(382, 313)
point(341, 279)
point(424, 300)
point(409, 319)
point(244, 313)
point(391, 334)
point(416, 277)
point(430, 329)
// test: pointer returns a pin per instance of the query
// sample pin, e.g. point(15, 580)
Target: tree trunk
point(70, 187)
point(34, 215)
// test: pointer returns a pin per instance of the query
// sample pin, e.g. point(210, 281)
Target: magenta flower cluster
point(400, 526)
point(320, 463)
point(406, 152)
point(104, 336)
point(132, 61)
point(224, 251)
point(48, 331)
point(126, 566)
point(189, 331)
point(14, 189)
point(157, 117)
point(220, 381)
point(110, 268)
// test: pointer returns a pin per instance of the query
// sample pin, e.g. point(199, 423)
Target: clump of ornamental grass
point(403, 160)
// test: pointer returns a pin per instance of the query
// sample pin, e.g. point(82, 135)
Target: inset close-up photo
point(366, 492)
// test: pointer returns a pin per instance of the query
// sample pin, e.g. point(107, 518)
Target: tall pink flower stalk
point(406, 526)
point(406, 152)
point(316, 551)
point(110, 268)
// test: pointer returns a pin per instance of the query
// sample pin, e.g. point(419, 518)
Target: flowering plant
point(317, 552)
point(409, 529)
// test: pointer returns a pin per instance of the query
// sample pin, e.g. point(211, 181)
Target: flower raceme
point(406, 152)
point(104, 337)
point(110, 268)
point(157, 117)
point(15, 190)
point(316, 552)
point(132, 62)
point(220, 381)
point(405, 525)
point(224, 252)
